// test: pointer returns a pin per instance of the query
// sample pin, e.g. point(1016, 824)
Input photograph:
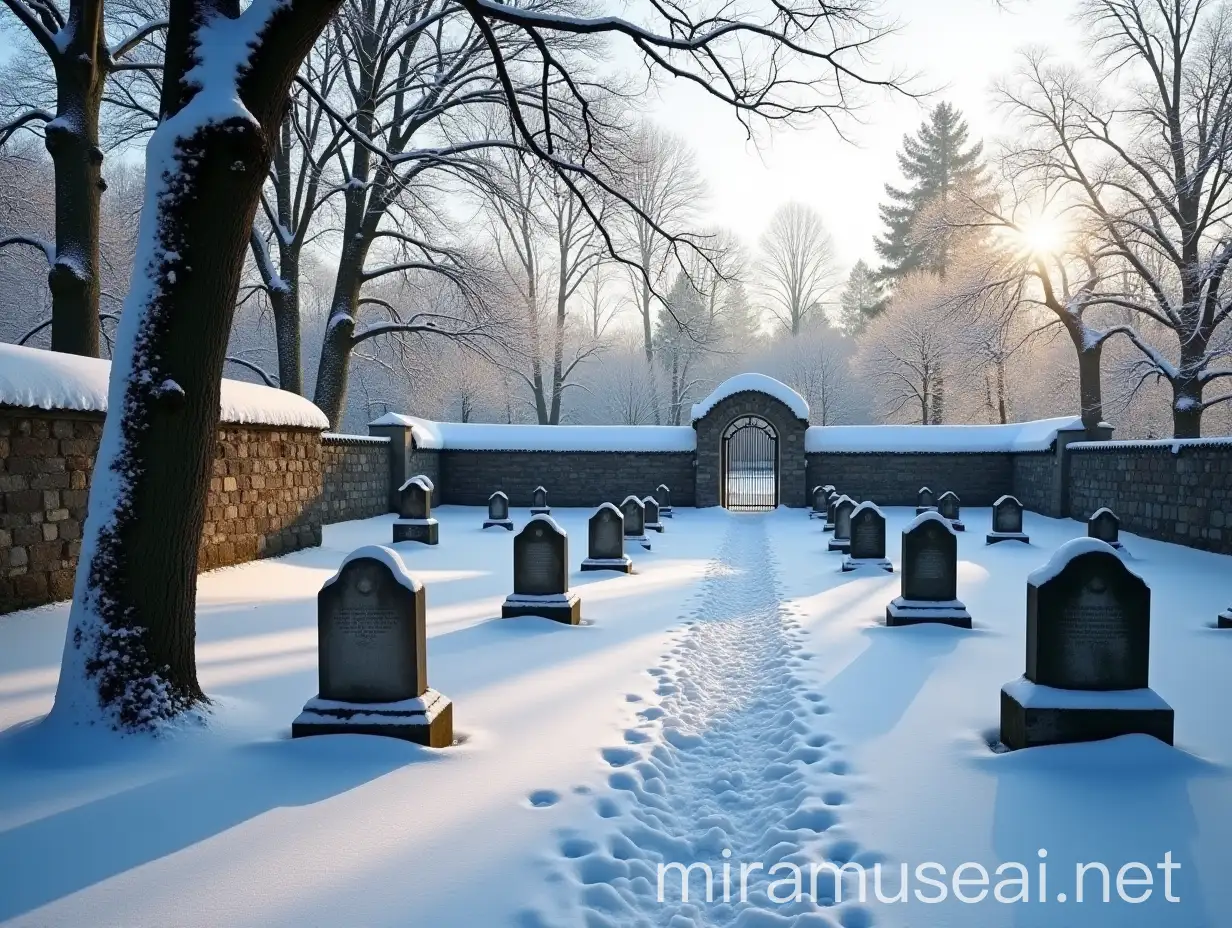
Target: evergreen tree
point(937, 161)
point(862, 299)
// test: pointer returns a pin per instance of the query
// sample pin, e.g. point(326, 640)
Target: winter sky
point(959, 46)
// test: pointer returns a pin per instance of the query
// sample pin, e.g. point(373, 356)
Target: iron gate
point(750, 465)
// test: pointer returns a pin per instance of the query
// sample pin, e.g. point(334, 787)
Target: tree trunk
point(938, 399)
point(334, 366)
point(129, 653)
point(1003, 412)
point(72, 143)
point(284, 302)
point(1090, 392)
point(1186, 407)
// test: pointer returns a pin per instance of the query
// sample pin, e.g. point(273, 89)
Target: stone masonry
point(891, 479)
point(355, 479)
point(791, 430)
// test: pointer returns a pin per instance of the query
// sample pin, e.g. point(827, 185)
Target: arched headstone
point(415, 522)
point(844, 506)
point(541, 574)
point(606, 551)
point(1006, 522)
point(498, 512)
point(868, 539)
point(929, 591)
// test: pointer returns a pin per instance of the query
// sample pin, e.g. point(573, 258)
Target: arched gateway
point(750, 445)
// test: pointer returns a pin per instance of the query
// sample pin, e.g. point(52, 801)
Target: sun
point(1043, 235)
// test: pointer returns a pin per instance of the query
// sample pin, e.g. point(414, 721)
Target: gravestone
point(1088, 654)
point(539, 502)
point(1006, 522)
point(652, 515)
point(925, 501)
point(929, 589)
point(541, 574)
point(843, 508)
point(415, 522)
point(818, 502)
point(868, 539)
point(372, 659)
point(1105, 526)
point(1225, 618)
point(664, 495)
point(607, 541)
point(950, 507)
point(634, 511)
point(498, 512)
point(831, 505)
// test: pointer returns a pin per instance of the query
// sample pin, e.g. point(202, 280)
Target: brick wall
point(262, 498)
point(1183, 496)
point(572, 478)
point(895, 479)
point(1034, 481)
point(355, 477)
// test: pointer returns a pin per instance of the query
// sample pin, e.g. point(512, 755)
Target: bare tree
point(815, 364)
point(796, 266)
point(1152, 171)
point(76, 48)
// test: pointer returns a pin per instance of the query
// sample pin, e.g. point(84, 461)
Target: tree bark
point(72, 143)
point(129, 652)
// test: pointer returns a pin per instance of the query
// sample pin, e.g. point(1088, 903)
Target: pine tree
point(863, 299)
point(937, 161)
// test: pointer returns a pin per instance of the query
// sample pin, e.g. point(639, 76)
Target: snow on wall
point(1176, 445)
point(38, 379)
point(907, 439)
point(755, 383)
point(473, 436)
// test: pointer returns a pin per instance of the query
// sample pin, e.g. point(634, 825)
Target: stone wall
point(572, 478)
point(1182, 495)
point(894, 479)
point(791, 430)
point(1035, 480)
point(262, 499)
point(355, 477)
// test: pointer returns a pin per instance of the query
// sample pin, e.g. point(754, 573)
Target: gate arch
point(749, 465)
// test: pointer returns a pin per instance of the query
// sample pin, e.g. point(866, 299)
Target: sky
point(958, 47)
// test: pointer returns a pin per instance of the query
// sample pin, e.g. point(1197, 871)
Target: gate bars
point(750, 465)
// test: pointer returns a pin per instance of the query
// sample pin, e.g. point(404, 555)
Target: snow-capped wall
point(38, 379)
point(1037, 435)
point(473, 436)
point(753, 383)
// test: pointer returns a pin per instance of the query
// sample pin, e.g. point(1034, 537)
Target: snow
point(1002, 500)
point(1037, 435)
point(422, 481)
point(867, 504)
point(387, 556)
point(1176, 445)
point(356, 439)
point(1034, 696)
point(42, 379)
point(1067, 552)
point(754, 383)
point(734, 694)
point(932, 515)
point(471, 436)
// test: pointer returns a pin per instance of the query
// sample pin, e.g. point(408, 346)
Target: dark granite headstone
point(541, 574)
point(653, 522)
point(664, 495)
point(1225, 618)
point(868, 539)
point(950, 507)
point(539, 502)
point(929, 591)
point(634, 511)
point(1105, 526)
point(415, 522)
point(1006, 521)
point(607, 541)
point(831, 505)
point(372, 665)
point(818, 503)
point(498, 512)
point(1088, 654)
point(925, 501)
point(843, 508)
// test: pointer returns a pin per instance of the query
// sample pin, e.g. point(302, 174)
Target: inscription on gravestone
point(539, 570)
point(930, 564)
point(606, 535)
point(867, 536)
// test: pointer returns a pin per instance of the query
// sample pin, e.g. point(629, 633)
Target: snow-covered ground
point(736, 701)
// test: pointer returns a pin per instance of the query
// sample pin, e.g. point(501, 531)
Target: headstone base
point(655, 526)
point(427, 720)
point(816, 515)
point(920, 510)
point(1225, 619)
point(540, 511)
point(499, 523)
point(856, 563)
point(993, 537)
point(1033, 715)
point(622, 564)
point(957, 525)
point(902, 612)
point(842, 545)
point(638, 540)
point(665, 512)
point(425, 531)
point(828, 527)
point(565, 608)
